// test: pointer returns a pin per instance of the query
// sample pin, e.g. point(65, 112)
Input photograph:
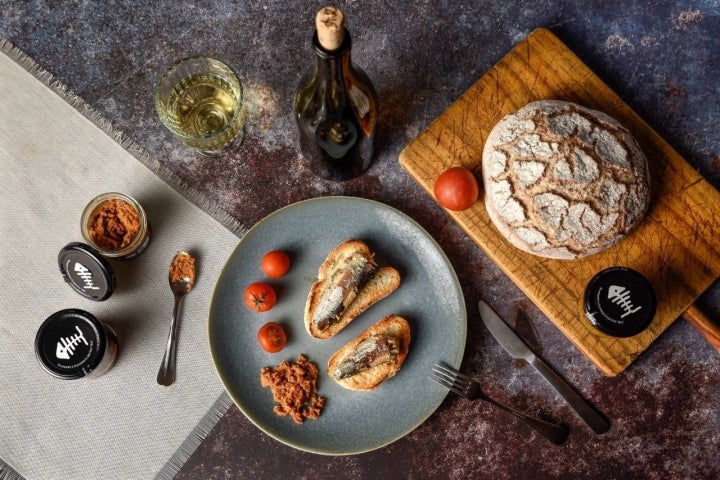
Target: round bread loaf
point(563, 181)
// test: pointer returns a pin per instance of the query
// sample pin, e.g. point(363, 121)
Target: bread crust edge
point(385, 281)
point(372, 378)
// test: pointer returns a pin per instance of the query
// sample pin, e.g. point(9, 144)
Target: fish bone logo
point(621, 297)
point(66, 345)
point(86, 275)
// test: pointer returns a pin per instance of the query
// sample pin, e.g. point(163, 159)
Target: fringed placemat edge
point(7, 472)
point(127, 143)
point(199, 433)
point(221, 405)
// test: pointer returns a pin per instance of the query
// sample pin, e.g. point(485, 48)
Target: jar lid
point(70, 343)
point(620, 302)
point(86, 271)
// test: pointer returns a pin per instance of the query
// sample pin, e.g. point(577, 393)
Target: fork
point(466, 387)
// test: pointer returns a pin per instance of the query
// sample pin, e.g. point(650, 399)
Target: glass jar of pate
point(115, 225)
point(73, 343)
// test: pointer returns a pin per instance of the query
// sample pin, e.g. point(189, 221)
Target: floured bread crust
point(563, 181)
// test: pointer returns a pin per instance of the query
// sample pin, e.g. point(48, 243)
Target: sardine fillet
point(332, 302)
point(356, 367)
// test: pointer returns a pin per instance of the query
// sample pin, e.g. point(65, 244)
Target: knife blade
point(514, 345)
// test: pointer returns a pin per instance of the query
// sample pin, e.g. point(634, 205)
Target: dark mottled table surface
point(662, 57)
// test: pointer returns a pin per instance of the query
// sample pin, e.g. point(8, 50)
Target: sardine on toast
point(349, 282)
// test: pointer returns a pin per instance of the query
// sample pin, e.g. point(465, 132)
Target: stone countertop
point(661, 57)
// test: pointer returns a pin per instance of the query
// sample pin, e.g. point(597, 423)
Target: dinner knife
point(514, 345)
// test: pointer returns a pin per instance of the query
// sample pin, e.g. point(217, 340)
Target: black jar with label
point(620, 302)
point(86, 271)
point(72, 344)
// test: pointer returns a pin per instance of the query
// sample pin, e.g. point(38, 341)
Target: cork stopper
point(330, 24)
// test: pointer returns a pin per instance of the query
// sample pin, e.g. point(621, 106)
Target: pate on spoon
point(182, 278)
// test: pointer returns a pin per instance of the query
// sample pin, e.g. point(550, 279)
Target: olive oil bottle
point(336, 105)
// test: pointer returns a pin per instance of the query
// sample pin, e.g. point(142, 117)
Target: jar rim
point(92, 326)
point(92, 206)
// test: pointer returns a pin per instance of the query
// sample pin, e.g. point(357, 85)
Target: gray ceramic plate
point(429, 297)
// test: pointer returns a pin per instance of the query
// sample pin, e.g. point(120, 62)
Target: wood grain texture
point(676, 246)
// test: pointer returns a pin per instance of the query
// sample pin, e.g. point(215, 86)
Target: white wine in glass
point(200, 100)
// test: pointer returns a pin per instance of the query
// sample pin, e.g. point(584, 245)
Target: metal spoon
point(182, 278)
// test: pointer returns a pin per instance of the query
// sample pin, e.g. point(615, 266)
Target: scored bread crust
point(392, 325)
point(385, 281)
point(563, 181)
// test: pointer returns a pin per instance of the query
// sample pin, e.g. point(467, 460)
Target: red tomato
point(271, 337)
point(275, 264)
point(260, 297)
point(456, 189)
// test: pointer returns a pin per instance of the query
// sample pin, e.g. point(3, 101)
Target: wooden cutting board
point(676, 246)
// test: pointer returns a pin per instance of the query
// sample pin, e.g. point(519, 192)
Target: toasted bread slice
point(373, 356)
point(329, 307)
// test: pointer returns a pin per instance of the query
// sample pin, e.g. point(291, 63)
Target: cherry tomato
point(271, 337)
point(275, 263)
point(456, 189)
point(260, 297)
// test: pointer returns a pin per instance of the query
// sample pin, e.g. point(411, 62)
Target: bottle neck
point(330, 64)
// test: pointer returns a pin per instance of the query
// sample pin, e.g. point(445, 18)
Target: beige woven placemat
point(55, 155)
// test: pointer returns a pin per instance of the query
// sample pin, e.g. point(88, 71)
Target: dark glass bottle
point(336, 111)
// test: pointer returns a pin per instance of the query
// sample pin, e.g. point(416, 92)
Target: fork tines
point(450, 379)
